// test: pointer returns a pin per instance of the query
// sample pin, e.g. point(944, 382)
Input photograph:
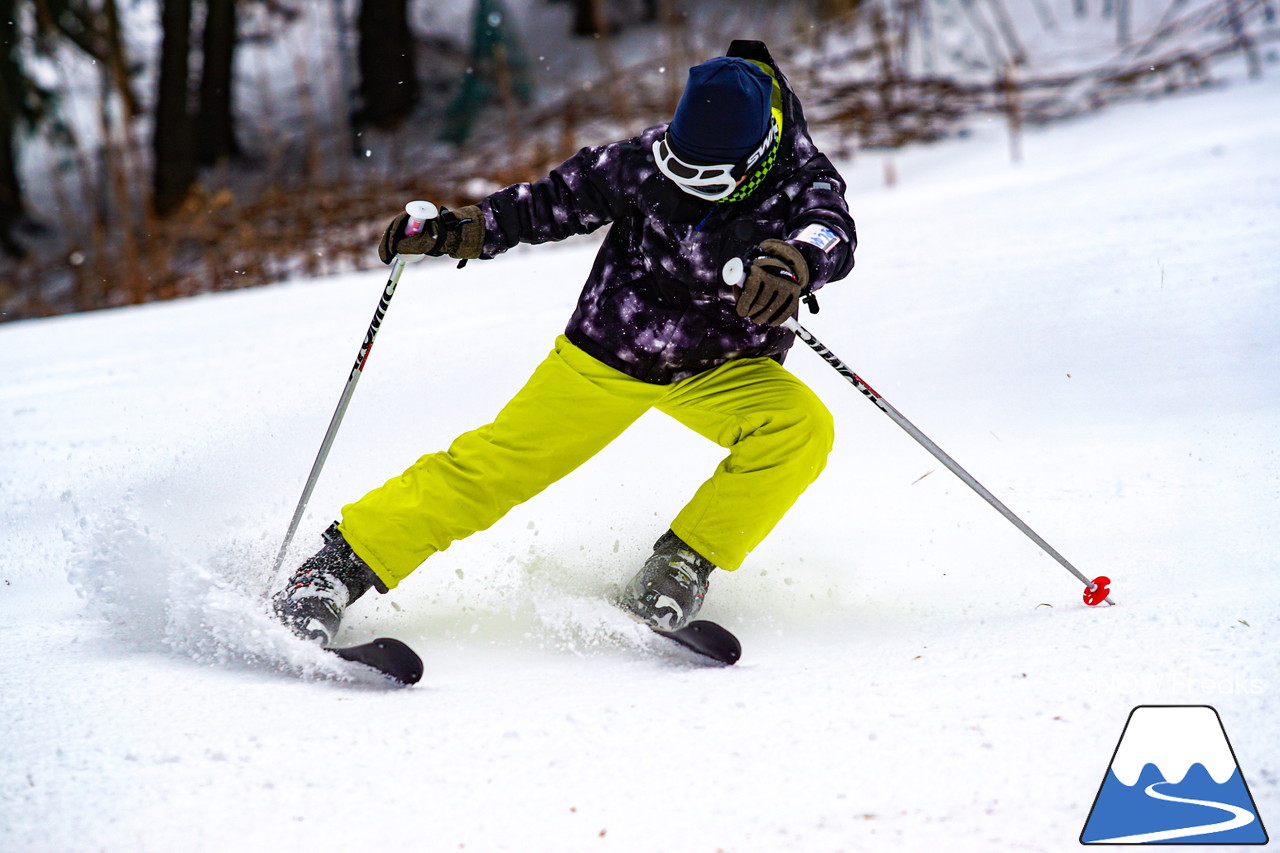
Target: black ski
point(707, 639)
point(400, 663)
point(390, 657)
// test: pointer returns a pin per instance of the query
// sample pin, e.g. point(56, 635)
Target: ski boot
point(667, 592)
point(312, 602)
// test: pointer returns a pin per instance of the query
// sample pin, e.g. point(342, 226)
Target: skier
point(734, 174)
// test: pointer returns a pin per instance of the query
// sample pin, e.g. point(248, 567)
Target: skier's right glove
point(776, 280)
point(456, 233)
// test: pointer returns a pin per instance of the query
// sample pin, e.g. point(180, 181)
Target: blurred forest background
point(151, 149)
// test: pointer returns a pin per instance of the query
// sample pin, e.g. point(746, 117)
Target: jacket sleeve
point(577, 197)
point(820, 226)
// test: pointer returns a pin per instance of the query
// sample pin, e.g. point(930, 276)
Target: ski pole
point(1096, 590)
point(419, 213)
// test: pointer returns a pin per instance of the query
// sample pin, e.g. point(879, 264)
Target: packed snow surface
point(1093, 332)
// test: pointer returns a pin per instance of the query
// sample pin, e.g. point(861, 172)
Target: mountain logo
point(1173, 779)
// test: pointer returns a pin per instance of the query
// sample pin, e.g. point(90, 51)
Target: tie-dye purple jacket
point(654, 305)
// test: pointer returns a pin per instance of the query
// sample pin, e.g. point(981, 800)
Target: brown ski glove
point(775, 282)
point(456, 233)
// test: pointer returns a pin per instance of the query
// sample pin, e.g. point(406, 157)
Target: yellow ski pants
point(777, 431)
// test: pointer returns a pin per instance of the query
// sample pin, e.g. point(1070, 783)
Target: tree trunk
point(586, 18)
point(388, 79)
point(12, 84)
point(116, 59)
point(172, 144)
point(215, 125)
point(1235, 19)
point(12, 210)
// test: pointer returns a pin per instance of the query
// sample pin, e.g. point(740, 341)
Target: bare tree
point(215, 121)
point(174, 168)
point(13, 86)
point(388, 82)
point(24, 102)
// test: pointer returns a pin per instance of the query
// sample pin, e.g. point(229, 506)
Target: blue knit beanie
point(724, 112)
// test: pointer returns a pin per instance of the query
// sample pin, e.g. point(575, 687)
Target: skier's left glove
point(775, 281)
point(456, 233)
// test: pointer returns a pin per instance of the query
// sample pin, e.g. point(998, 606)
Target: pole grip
point(734, 272)
point(419, 212)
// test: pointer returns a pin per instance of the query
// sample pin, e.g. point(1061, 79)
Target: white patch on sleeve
point(819, 235)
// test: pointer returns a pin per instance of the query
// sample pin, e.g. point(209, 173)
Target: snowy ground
point(1093, 333)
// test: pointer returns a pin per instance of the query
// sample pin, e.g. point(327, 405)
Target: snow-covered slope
point(1092, 333)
